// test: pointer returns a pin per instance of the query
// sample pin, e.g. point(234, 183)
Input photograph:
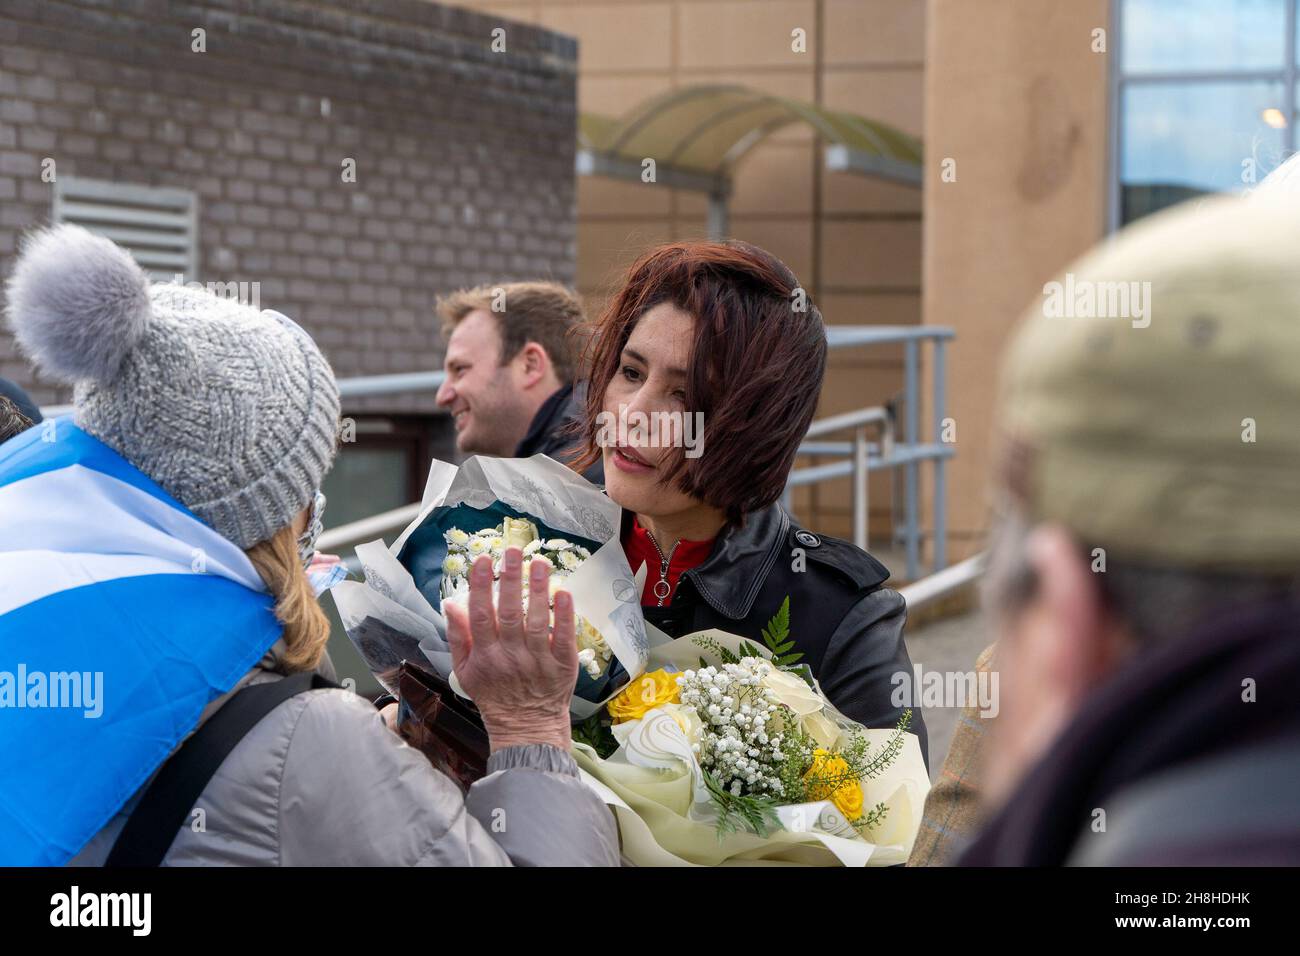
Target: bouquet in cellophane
point(725, 753)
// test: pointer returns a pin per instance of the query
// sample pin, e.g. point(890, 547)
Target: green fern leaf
point(776, 635)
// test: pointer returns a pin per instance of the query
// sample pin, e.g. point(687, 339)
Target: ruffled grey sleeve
point(540, 813)
point(351, 792)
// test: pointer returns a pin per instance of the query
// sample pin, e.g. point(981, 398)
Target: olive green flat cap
point(1150, 400)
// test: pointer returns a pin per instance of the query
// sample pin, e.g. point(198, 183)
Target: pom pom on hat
point(77, 303)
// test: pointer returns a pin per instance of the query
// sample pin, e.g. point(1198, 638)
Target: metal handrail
point(943, 583)
point(859, 463)
point(367, 529)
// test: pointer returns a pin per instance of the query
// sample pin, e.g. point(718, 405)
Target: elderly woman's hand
point(519, 674)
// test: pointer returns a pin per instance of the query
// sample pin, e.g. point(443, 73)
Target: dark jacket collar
point(754, 545)
point(548, 418)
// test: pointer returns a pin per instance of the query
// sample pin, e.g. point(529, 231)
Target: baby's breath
point(742, 741)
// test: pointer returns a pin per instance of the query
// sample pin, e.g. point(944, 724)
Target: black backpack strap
point(152, 827)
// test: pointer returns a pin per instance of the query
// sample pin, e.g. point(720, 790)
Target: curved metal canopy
point(698, 134)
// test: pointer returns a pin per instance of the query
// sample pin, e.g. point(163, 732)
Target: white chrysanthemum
point(477, 545)
point(456, 539)
point(536, 557)
point(569, 560)
point(454, 590)
point(558, 544)
point(455, 566)
point(532, 547)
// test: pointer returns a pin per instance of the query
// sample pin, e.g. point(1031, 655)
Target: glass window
point(1184, 139)
point(1166, 36)
point(365, 482)
point(1206, 98)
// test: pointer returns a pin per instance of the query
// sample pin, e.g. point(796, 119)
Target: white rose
point(518, 532)
point(686, 717)
point(792, 691)
point(821, 729)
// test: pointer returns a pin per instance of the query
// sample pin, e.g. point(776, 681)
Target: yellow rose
point(848, 800)
point(652, 689)
point(834, 784)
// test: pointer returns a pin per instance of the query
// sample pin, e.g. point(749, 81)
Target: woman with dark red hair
point(720, 335)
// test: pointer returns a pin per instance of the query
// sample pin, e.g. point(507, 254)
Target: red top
point(640, 549)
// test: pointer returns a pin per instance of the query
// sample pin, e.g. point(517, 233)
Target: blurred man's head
point(1149, 463)
point(509, 348)
point(12, 420)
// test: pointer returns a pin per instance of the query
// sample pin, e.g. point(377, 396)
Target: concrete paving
point(951, 644)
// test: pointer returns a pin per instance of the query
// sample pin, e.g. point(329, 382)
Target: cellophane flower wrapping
point(654, 783)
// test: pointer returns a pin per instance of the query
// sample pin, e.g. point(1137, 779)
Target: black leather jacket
point(553, 431)
point(846, 622)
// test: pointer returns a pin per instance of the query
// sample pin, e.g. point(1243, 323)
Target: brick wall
point(464, 156)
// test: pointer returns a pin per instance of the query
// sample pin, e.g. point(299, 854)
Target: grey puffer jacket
point(321, 780)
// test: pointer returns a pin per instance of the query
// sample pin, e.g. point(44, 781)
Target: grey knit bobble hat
point(232, 411)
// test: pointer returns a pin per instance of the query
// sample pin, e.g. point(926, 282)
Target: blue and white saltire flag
point(121, 616)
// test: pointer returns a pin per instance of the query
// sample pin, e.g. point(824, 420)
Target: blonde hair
point(306, 628)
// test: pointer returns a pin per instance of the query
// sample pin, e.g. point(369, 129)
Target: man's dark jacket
point(843, 619)
point(553, 432)
point(1191, 750)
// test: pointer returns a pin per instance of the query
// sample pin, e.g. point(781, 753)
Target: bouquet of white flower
point(483, 507)
point(722, 752)
point(561, 555)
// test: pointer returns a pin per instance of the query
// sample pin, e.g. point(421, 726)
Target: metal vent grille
point(158, 226)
